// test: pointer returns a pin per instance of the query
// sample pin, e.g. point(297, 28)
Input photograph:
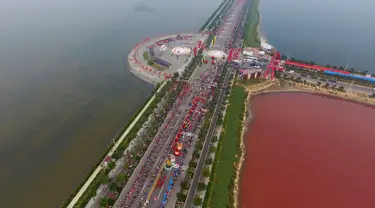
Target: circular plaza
point(157, 59)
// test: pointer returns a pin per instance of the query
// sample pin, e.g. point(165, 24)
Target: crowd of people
point(152, 164)
point(186, 113)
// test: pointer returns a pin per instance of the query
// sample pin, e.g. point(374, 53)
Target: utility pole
point(347, 65)
point(351, 85)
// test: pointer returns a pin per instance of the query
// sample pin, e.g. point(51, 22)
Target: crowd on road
point(181, 125)
point(183, 121)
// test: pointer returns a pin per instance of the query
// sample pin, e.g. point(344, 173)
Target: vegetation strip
point(209, 23)
point(251, 32)
point(223, 170)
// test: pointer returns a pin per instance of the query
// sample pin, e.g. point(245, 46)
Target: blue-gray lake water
point(332, 32)
point(65, 89)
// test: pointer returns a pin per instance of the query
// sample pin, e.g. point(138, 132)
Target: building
point(106, 161)
point(246, 74)
point(266, 47)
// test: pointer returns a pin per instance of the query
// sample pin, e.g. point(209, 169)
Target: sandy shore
point(261, 35)
point(245, 120)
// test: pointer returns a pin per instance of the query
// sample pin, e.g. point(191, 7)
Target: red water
point(309, 151)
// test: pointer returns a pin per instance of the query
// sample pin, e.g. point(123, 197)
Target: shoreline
point(260, 36)
point(246, 119)
point(249, 117)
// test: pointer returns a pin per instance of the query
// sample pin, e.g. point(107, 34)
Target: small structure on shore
point(246, 74)
point(266, 47)
point(106, 161)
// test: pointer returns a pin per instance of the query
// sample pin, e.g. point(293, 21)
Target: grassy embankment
point(251, 34)
point(219, 192)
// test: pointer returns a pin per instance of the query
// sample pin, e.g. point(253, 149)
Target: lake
point(310, 151)
point(328, 32)
point(65, 89)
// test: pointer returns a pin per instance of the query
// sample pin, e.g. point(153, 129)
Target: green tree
point(212, 149)
point(318, 83)
point(196, 153)
point(111, 165)
point(341, 88)
point(199, 145)
point(112, 186)
point(185, 185)
point(104, 201)
point(181, 197)
point(193, 164)
point(121, 178)
point(201, 186)
point(190, 172)
point(150, 62)
point(209, 161)
point(219, 120)
point(197, 201)
point(103, 178)
point(206, 172)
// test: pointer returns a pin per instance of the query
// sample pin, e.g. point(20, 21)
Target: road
point(217, 13)
point(207, 143)
point(357, 88)
point(183, 120)
point(224, 40)
point(151, 184)
point(146, 171)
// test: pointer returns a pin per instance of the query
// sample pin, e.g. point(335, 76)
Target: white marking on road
point(162, 188)
point(143, 188)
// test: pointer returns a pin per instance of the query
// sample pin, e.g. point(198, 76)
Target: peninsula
point(184, 147)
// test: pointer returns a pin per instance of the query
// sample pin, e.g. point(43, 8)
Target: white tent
point(266, 46)
point(163, 48)
point(247, 53)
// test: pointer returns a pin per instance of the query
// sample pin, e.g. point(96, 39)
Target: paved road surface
point(224, 40)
